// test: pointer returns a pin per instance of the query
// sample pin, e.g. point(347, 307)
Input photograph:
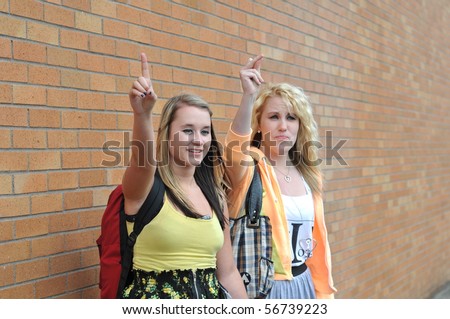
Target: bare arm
point(139, 175)
point(227, 272)
point(251, 79)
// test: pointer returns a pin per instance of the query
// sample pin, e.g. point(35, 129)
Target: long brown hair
point(208, 175)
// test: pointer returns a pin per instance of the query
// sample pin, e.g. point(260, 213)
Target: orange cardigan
point(239, 159)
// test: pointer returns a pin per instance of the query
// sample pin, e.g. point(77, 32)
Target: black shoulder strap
point(253, 201)
point(151, 206)
point(149, 209)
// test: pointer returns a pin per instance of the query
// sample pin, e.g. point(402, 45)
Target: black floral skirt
point(174, 284)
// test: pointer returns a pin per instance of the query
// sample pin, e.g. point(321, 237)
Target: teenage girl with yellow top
point(185, 251)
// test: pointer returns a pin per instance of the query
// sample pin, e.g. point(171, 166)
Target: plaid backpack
point(115, 246)
point(251, 240)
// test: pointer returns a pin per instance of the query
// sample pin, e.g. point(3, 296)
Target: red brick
point(105, 121)
point(29, 95)
point(91, 178)
point(15, 251)
point(59, 15)
point(62, 139)
point(5, 184)
point(32, 227)
point(127, 13)
point(25, 291)
point(5, 48)
point(90, 218)
point(29, 51)
point(27, 8)
point(74, 39)
point(6, 233)
point(13, 72)
point(122, 87)
point(115, 28)
point(44, 160)
point(75, 119)
point(91, 100)
point(63, 222)
point(104, 8)
point(43, 75)
point(75, 159)
point(90, 257)
point(42, 33)
point(13, 161)
point(45, 117)
point(30, 270)
point(51, 286)
point(162, 7)
point(46, 203)
point(4, 6)
point(13, 116)
point(102, 45)
point(117, 66)
point(61, 57)
point(13, 26)
point(139, 34)
point(127, 50)
point(6, 276)
point(91, 139)
point(75, 79)
point(82, 5)
point(65, 263)
point(46, 246)
point(5, 93)
point(90, 62)
point(100, 82)
point(117, 102)
point(79, 199)
point(61, 97)
point(101, 197)
point(88, 22)
point(62, 180)
point(30, 183)
point(82, 279)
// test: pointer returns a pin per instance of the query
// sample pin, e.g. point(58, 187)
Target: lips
point(281, 137)
point(196, 151)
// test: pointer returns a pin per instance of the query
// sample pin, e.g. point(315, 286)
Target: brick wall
point(377, 74)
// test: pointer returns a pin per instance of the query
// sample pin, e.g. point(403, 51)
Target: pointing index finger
point(144, 66)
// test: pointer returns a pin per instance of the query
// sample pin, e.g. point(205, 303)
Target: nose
point(283, 125)
point(197, 139)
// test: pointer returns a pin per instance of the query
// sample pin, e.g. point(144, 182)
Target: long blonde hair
point(302, 154)
point(209, 175)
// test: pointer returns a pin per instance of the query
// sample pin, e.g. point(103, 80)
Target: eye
point(188, 131)
point(273, 117)
point(205, 132)
point(291, 117)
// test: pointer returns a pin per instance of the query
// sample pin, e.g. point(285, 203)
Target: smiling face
point(279, 127)
point(189, 135)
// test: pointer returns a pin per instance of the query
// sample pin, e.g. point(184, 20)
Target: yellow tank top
point(173, 241)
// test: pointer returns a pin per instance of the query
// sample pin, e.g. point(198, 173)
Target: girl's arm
point(139, 175)
point(227, 272)
point(251, 79)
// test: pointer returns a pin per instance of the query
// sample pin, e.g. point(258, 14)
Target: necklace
point(287, 177)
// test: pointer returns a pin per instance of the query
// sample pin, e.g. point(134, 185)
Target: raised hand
point(250, 75)
point(142, 97)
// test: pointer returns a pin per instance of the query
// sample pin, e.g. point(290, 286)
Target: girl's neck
point(185, 175)
point(277, 159)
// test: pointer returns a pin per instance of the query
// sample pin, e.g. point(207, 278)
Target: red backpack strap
point(109, 245)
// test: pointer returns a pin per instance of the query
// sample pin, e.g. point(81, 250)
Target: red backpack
point(115, 246)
